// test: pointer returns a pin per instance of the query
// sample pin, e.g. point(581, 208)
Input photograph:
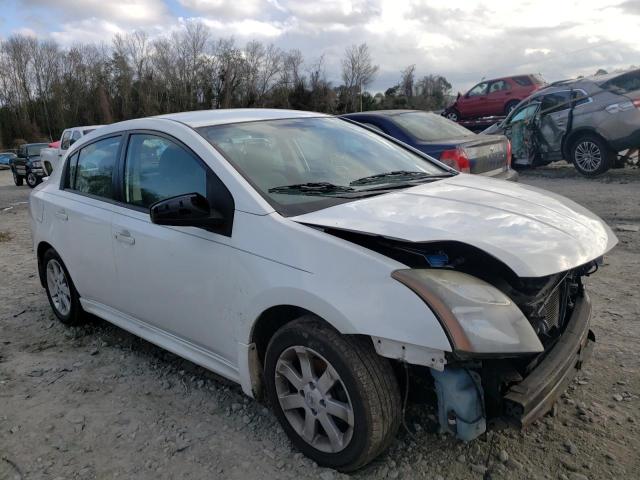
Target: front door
point(172, 278)
point(554, 119)
point(474, 103)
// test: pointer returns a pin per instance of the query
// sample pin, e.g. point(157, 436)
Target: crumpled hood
point(534, 232)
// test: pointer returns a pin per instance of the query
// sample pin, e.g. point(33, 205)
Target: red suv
point(493, 97)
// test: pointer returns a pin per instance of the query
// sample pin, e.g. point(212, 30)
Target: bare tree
point(358, 71)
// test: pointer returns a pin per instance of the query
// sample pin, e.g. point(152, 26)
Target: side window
point(157, 168)
point(580, 97)
point(556, 102)
point(525, 112)
point(523, 81)
point(75, 137)
point(70, 173)
point(480, 89)
point(499, 86)
point(64, 143)
point(96, 163)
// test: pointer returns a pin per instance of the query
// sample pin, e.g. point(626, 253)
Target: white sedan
point(321, 265)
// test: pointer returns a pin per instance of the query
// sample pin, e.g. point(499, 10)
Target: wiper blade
point(311, 188)
point(395, 175)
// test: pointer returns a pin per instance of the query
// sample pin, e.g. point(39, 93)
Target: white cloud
point(90, 30)
point(225, 8)
point(132, 12)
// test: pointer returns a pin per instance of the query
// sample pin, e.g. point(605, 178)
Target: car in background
point(27, 165)
point(586, 121)
point(493, 97)
point(443, 140)
point(5, 158)
point(51, 156)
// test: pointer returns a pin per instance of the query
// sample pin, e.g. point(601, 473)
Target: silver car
point(585, 121)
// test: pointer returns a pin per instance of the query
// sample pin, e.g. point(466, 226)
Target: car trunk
point(487, 154)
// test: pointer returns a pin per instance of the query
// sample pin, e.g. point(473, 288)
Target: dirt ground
point(97, 402)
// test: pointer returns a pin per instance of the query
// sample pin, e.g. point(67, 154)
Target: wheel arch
point(42, 248)
point(575, 134)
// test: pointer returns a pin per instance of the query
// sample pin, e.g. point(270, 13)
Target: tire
point(32, 179)
point(17, 179)
point(62, 294)
point(591, 156)
point(365, 388)
point(510, 106)
point(452, 115)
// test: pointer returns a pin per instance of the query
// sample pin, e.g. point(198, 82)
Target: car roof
point(383, 113)
point(201, 118)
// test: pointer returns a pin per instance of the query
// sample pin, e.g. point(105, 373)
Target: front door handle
point(125, 237)
point(62, 215)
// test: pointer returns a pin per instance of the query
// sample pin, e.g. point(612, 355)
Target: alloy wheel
point(314, 399)
point(58, 287)
point(588, 156)
point(453, 116)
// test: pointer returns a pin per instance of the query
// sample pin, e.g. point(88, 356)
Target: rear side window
point(523, 81)
point(580, 97)
point(499, 86)
point(625, 83)
point(157, 168)
point(93, 173)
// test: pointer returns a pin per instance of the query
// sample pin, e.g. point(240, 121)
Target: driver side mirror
point(189, 210)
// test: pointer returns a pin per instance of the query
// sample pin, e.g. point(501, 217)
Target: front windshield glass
point(428, 127)
point(305, 164)
point(35, 149)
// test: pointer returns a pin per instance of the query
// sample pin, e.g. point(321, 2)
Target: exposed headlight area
point(478, 318)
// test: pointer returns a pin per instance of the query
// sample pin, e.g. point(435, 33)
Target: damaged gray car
point(587, 122)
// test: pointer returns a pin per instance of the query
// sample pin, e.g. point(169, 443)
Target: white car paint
point(534, 232)
point(199, 294)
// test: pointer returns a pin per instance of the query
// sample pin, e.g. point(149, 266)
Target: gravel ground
point(96, 402)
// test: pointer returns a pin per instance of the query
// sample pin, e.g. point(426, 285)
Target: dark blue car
point(444, 140)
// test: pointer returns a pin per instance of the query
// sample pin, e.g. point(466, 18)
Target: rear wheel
point(17, 179)
point(32, 179)
point(510, 106)
point(336, 399)
point(63, 296)
point(591, 155)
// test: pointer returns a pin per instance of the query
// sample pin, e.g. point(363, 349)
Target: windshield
point(428, 127)
point(35, 149)
point(322, 161)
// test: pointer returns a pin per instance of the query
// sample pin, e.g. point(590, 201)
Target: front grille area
point(551, 311)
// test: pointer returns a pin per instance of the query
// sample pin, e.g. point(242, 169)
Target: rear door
point(554, 119)
point(81, 218)
point(499, 94)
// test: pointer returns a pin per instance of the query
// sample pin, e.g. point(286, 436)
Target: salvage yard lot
point(96, 402)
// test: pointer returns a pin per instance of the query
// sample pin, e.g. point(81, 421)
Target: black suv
point(27, 164)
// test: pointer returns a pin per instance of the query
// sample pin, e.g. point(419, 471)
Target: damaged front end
point(517, 342)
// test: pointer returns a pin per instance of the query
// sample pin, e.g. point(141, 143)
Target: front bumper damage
point(461, 396)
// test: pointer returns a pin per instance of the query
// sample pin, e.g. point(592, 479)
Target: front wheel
point(336, 399)
point(32, 179)
point(17, 179)
point(591, 155)
point(452, 115)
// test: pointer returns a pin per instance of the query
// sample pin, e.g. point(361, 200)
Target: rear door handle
point(125, 237)
point(62, 215)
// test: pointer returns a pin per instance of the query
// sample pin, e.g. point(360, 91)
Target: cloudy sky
point(464, 40)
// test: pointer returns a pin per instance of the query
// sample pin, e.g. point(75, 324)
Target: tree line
point(45, 88)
